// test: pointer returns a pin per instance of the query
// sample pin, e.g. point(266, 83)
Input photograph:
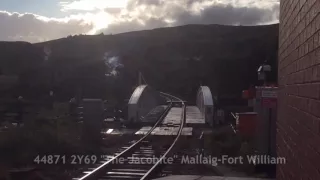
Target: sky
point(43, 20)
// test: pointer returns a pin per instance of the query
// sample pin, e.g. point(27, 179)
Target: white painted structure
point(194, 117)
point(205, 104)
point(142, 101)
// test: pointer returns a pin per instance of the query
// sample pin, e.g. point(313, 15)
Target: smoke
point(113, 63)
point(47, 53)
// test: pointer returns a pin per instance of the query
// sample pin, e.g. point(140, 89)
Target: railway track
point(142, 159)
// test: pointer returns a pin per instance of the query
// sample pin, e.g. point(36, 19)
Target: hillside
point(176, 60)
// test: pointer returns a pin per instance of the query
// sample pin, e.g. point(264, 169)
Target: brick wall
point(298, 124)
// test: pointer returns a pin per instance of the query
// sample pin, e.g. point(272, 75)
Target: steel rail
point(96, 172)
point(149, 174)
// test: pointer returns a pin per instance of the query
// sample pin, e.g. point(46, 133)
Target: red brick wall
point(298, 124)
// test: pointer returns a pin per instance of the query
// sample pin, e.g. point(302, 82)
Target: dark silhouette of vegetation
point(175, 60)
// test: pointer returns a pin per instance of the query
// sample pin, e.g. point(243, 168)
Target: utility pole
point(140, 79)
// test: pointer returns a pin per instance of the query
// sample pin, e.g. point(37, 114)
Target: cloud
point(148, 14)
point(34, 28)
point(117, 16)
point(91, 5)
point(228, 15)
point(133, 25)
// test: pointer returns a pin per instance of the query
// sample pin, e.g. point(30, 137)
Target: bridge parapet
point(205, 104)
point(142, 101)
